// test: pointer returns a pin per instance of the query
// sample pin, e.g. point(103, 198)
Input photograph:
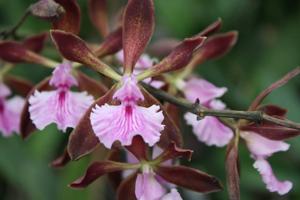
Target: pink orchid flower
point(60, 106)
point(208, 130)
point(10, 111)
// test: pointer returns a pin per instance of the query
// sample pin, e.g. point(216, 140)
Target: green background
point(268, 47)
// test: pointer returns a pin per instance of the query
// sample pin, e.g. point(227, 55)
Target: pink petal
point(202, 89)
point(273, 184)
point(216, 104)
point(64, 108)
point(209, 130)
point(130, 158)
point(173, 195)
point(144, 62)
point(148, 188)
point(62, 77)
point(262, 147)
point(4, 90)
point(123, 122)
point(10, 115)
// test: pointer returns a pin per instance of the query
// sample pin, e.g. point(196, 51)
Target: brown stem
point(201, 111)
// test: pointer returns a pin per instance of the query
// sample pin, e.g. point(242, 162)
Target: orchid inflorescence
point(121, 112)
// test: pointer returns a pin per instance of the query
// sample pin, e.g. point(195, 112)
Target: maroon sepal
point(126, 190)
point(115, 177)
point(179, 57)
point(273, 110)
point(138, 148)
point(96, 170)
point(48, 9)
point(21, 86)
point(171, 131)
point(69, 21)
point(284, 80)
point(212, 28)
point(173, 152)
point(232, 170)
point(174, 113)
point(91, 86)
point(26, 125)
point(82, 140)
point(98, 15)
point(35, 43)
point(189, 178)
point(138, 26)
point(111, 44)
point(163, 47)
point(61, 161)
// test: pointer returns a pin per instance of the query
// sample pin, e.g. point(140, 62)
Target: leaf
point(138, 26)
point(98, 15)
point(189, 178)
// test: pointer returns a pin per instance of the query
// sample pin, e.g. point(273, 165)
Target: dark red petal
point(174, 113)
point(111, 44)
point(284, 80)
point(98, 15)
point(75, 49)
point(173, 152)
point(61, 161)
point(212, 28)
point(126, 190)
point(91, 86)
point(48, 9)
point(96, 170)
point(273, 110)
point(26, 125)
point(115, 177)
point(138, 148)
point(171, 131)
point(138, 26)
point(271, 131)
point(189, 178)
point(215, 47)
point(177, 59)
point(163, 47)
point(232, 171)
point(15, 52)
point(21, 86)
point(82, 140)
point(35, 43)
point(69, 21)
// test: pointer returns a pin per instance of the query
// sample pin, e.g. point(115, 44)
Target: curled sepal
point(82, 140)
point(232, 170)
point(173, 152)
point(46, 9)
point(69, 21)
point(75, 49)
point(14, 52)
point(98, 15)
point(26, 125)
point(35, 43)
point(92, 86)
point(126, 190)
point(273, 110)
point(215, 47)
point(61, 160)
point(21, 86)
point(212, 28)
point(257, 101)
point(96, 170)
point(197, 180)
point(138, 148)
point(171, 131)
point(177, 59)
point(111, 44)
point(138, 26)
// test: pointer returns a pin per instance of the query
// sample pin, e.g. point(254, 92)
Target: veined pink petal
point(272, 183)
point(4, 90)
point(10, 111)
point(196, 88)
point(173, 195)
point(262, 147)
point(209, 130)
point(62, 77)
point(123, 122)
point(148, 188)
point(62, 107)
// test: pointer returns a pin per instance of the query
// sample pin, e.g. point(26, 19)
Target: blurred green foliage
point(268, 47)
